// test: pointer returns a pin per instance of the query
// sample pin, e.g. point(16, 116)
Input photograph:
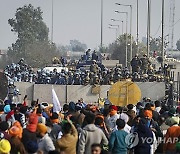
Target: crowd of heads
point(88, 128)
point(20, 72)
point(142, 71)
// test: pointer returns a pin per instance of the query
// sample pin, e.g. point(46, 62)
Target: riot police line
point(142, 71)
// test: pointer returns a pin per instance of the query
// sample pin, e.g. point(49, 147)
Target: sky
point(80, 19)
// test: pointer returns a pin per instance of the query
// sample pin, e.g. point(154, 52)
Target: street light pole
point(122, 22)
point(122, 27)
point(117, 28)
point(52, 21)
point(116, 31)
point(131, 33)
point(137, 26)
point(130, 56)
point(101, 24)
point(148, 27)
point(126, 35)
point(162, 33)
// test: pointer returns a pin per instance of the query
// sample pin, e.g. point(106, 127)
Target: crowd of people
point(142, 71)
point(146, 128)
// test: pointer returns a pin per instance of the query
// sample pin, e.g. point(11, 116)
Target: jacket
point(117, 142)
point(28, 136)
point(67, 143)
point(112, 122)
point(90, 135)
point(45, 144)
point(143, 147)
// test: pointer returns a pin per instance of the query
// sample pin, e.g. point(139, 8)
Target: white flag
point(56, 103)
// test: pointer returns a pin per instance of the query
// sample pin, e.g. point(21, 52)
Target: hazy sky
point(80, 19)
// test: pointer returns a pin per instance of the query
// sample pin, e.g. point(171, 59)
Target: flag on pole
point(56, 103)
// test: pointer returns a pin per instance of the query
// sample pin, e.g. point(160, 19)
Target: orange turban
point(41, 128)
point(16, 130)
point(148, 113)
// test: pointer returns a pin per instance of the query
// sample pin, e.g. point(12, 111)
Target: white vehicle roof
point(56, 67)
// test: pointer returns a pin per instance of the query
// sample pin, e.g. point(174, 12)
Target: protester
point(158, 106)
point(171, 138)
point(96, 149)
point(113, 117)
point(67, 143)
point(45, 143)
point(55, 127)
point(32, 147)
point(41, 119)
point(29, 133)
point(99, 122)
point(143, 131)
point(17, 146)
point(16, 130)
point(131, 113)
point(98, 125)
point(5, 146)
point(4, 129)
point(90, 135)
point(85, 128)
point(21, 116)
point(125, 117)
point(117, 143)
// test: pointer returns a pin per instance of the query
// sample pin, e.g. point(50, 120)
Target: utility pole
point(130, 35)
point(116, 32)
point(52, 22)
point(162, 49)
point(122, 27)
point(101, 24)
point(137, 26)
point(130, 55)
point(126, 35)
point(171, 24)
point(148, 28)
point(126, 39)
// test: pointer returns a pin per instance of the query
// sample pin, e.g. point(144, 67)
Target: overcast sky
point(80, 19)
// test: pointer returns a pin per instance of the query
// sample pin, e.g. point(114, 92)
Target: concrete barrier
point(25, 88)
point(43, 92)
point(153, 90)
point(110, 63)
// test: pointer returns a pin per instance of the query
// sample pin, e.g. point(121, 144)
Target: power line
point(176, 22)
point(157, 29)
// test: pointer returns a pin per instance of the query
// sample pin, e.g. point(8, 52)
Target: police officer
point(11, 90)
point(166, 70)
point(96, 80)
point(77, 79)
point(88, 54)
point(94, 67)
point(135, 64)
point(145, 63)
point(94, 56)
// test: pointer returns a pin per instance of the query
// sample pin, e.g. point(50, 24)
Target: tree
point(32, 37)
point(77, 45)
point(118, 48)
point(156, 45)
point(178, 44)
point(103, 49)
